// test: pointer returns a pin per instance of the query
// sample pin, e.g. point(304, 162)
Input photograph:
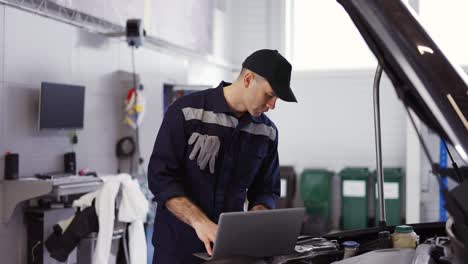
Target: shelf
point(15, 191)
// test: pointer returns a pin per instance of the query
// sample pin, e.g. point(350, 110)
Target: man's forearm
point(186, 211)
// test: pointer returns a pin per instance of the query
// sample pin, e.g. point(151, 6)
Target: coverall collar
point(221, 105)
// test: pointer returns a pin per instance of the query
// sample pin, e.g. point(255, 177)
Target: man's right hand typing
point(206, 232)
point(190, 214)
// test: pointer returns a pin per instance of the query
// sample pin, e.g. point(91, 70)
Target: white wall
point(332, 124)
point(255, 25)
point(35, 49)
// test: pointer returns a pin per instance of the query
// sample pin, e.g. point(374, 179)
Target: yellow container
point(405, 237)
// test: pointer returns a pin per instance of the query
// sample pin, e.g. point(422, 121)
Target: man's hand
point(206, 232)
point(258, 207)
point(190, 214)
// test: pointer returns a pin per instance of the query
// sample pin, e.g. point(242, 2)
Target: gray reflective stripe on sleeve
point(260, 129)
point(210, 117)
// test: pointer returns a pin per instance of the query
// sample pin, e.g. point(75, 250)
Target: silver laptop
point(256, 233)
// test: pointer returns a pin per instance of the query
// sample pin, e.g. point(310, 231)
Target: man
point(215, 148)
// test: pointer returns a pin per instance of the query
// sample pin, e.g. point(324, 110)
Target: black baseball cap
point(275, 69)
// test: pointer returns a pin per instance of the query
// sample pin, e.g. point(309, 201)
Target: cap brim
point(287, 95)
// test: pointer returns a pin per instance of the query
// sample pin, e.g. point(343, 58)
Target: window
point(321, 36)
point(447, 23)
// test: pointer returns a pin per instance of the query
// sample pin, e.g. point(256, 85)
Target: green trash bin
point(393, 196)
point(315, 193)
point(354, 197)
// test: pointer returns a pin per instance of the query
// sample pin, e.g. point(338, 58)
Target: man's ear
point(248, 79)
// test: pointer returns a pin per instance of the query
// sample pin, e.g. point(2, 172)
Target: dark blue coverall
point(246, 167)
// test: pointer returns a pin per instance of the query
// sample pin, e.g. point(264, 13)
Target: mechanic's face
point(259, 96)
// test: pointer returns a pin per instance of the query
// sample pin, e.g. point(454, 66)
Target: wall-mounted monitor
point(61, 106)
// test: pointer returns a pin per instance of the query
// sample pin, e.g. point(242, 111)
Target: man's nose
point(271, 103)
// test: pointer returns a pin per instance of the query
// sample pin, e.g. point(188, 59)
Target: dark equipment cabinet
point(39, 224)
point(288, 180)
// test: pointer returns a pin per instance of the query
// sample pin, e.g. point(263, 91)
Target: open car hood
point(424, 79)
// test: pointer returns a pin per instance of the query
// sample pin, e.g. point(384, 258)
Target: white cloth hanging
point(133, 209)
